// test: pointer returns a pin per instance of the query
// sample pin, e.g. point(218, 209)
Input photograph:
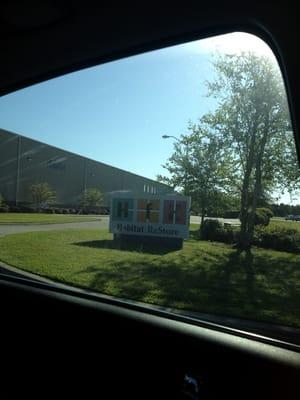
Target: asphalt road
point(15, 228)
point(196, 220)
point(99, 224)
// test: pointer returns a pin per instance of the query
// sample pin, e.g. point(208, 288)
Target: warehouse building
point(25, 161)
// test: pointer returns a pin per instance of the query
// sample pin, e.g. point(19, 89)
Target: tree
point(245, 147)
point(3, 206)
point(42, 194)
point(202, 170)
point(90, 198)
point(253, 119)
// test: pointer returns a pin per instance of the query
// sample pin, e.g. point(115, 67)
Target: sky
point(117, 112)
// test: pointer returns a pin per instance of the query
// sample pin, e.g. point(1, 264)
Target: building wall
point(8, 164)
point(24, 161)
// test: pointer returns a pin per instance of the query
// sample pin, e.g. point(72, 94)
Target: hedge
point(278, 238)
point(270, 237)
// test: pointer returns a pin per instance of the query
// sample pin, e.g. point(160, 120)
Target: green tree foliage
point(199, 167)
point(3, 206)
point(42, 195)
point(244, 148)
point(90, 198)
point(220, 205)
point(253, 119)
point(262, 216)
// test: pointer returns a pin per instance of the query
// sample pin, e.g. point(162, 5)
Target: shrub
point(232, 214)
point(25, 209)
point(49, 210)
point(262, 216)
point(278, 238)
point(90, 198)
point(4, 208)
point(42, 194)
point(209, 228)
point(14, 209)
point(266, 211)
point(226, 234)
point(58, 211)
point(216, 231)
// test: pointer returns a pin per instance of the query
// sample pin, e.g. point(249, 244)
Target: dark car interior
point(63, 343)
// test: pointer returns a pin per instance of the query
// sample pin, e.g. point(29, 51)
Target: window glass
point(169, 178)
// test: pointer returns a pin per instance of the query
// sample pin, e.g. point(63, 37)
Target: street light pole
point(169, 136)
point(186, 148)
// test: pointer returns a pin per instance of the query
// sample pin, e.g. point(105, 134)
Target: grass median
point(281, 223)
point(203, 276)
point(39, 218)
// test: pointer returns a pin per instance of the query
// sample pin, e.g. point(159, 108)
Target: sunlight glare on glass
point(233, 43)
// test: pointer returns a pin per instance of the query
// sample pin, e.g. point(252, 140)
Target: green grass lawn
point(203, 276)
point(285, 224)
point(36, 218)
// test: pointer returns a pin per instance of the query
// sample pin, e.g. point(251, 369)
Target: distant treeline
point(282, 210)
point(279, 210)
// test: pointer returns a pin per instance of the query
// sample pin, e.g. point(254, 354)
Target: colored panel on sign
point(142, 204)
point(168, 211)
point(180, 216)
point(148, 210)
point(155, 204)
point(122, 210)
point(153, 217)
point(141, 216)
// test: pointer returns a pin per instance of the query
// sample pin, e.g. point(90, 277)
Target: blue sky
point(117, 112)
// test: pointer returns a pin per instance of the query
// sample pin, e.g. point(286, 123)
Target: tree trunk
point(202, 220)
point(244, 242)
point(257, 182)
point(256, 195)
point(245, 239)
